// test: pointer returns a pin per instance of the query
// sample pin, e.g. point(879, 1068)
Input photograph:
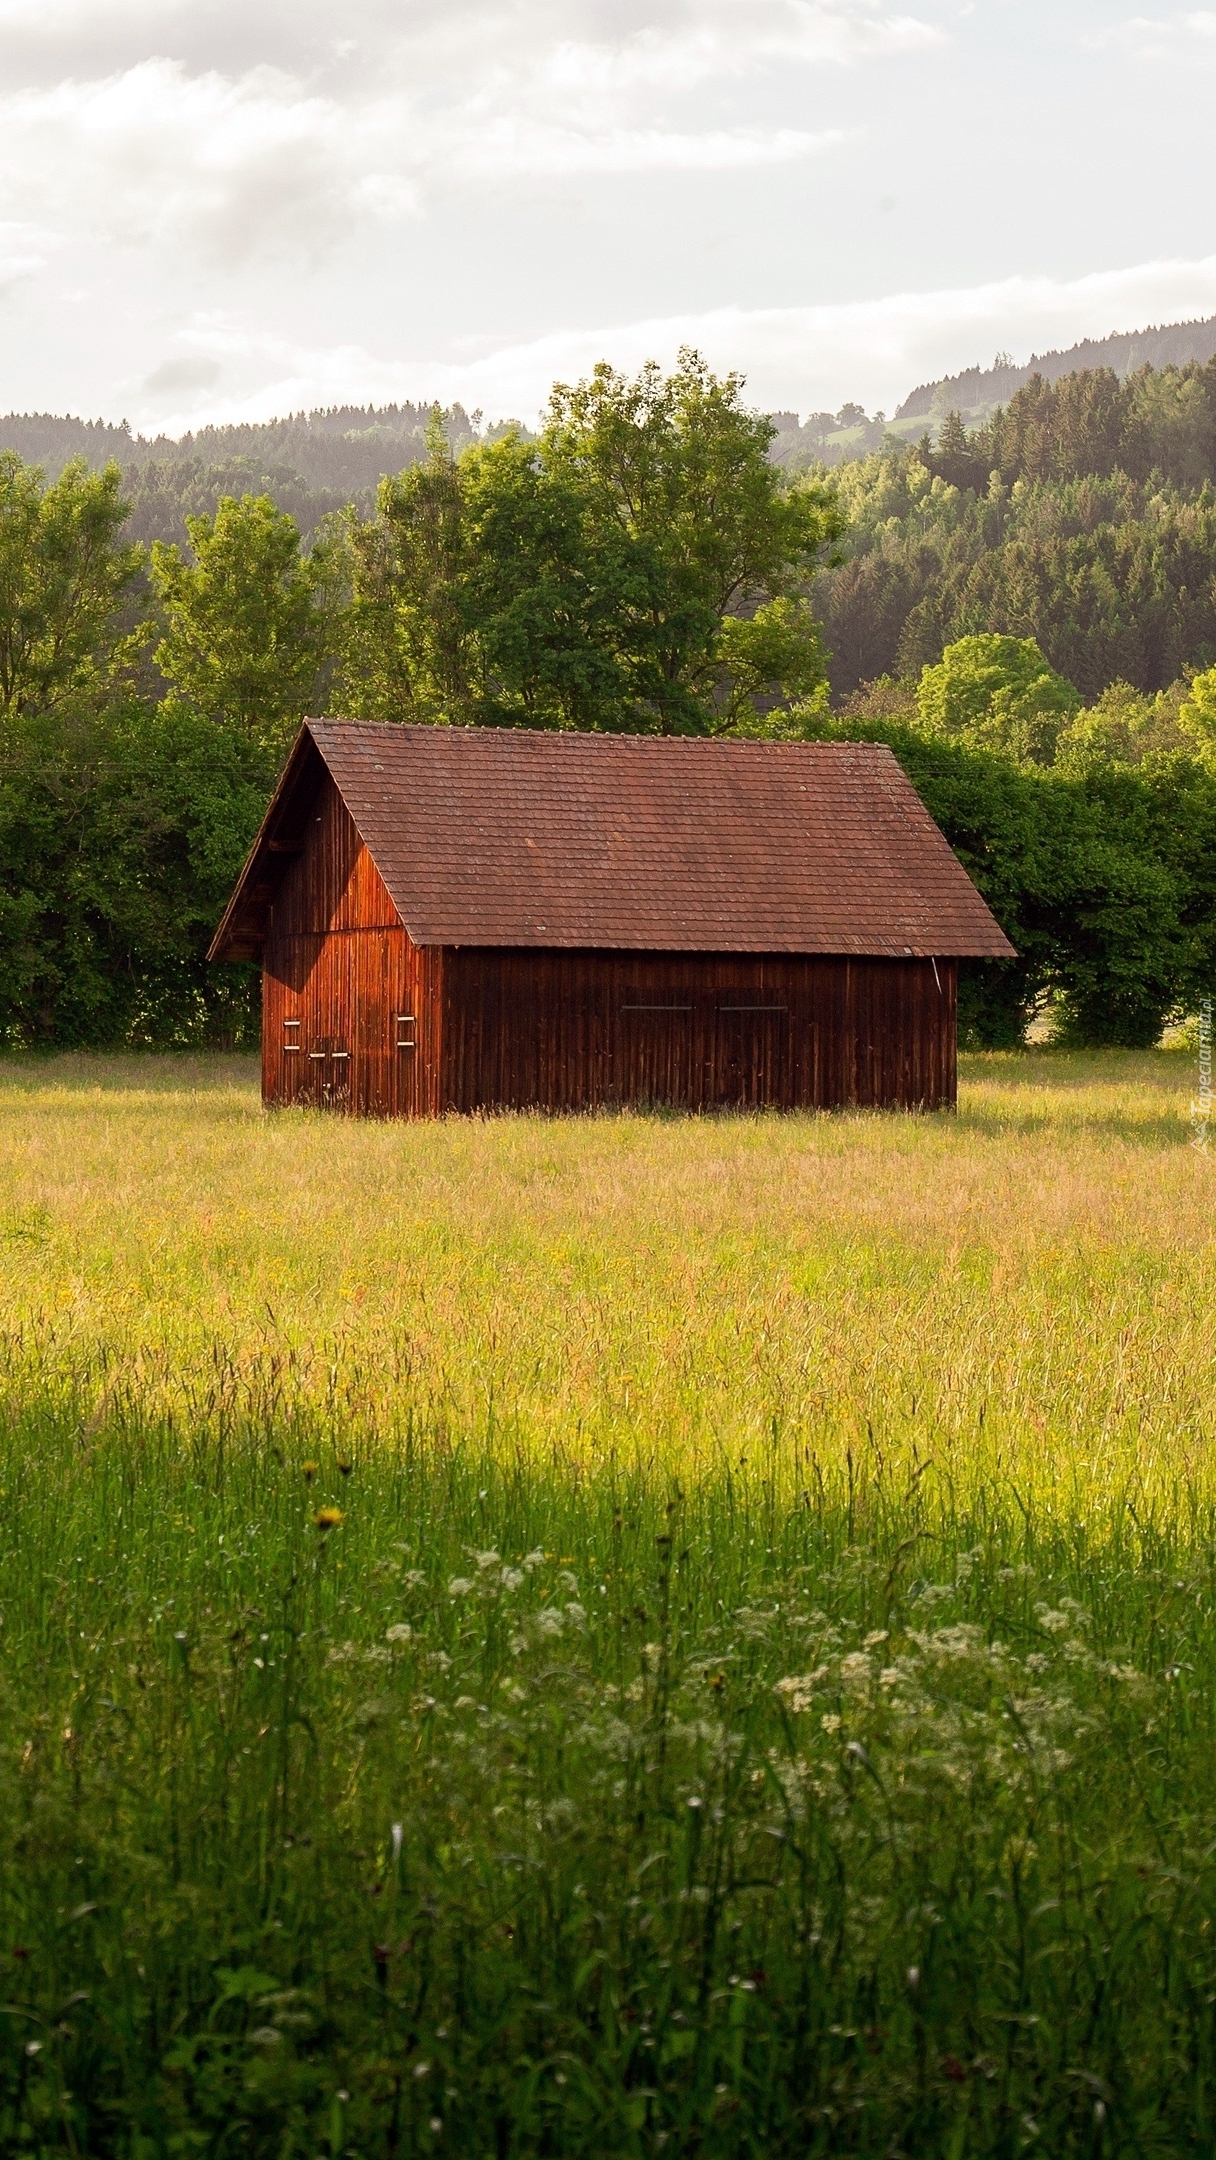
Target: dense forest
point(1024, 610)
point(1083, 514)
point(312, 463)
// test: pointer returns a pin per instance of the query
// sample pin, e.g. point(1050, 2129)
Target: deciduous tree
point(64, 576)
point(642, 566)
point(248, 624)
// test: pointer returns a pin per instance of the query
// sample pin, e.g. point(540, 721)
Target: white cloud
point(741, 41)
point(513, 147)
point(22, 252)
point(233, 159)
point(154, 154)
point(1148, 37)
point(794, 358)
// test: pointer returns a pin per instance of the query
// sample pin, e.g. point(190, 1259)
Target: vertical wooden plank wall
point(350, 1006)
point(568, 1030)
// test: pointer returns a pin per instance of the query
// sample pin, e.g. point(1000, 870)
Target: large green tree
point(248, 623)
point(999, 692)
point(642, 566)
point(64, 578)
point(123, 820)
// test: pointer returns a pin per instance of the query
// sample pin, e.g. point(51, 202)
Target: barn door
point(327, 1075)
point(654, 1052)
point(751, 1054)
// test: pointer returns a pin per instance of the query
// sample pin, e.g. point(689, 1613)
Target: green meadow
point(607, 1637)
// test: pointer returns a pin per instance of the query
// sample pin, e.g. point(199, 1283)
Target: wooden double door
point(733, 1051)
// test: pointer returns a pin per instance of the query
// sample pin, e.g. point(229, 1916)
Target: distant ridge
point(977, 390)
point(348, 446)
point(313, 463)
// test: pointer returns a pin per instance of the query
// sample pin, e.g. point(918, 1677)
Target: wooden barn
point(480, 918)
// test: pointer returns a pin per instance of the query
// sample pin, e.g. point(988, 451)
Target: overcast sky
point(234, 208)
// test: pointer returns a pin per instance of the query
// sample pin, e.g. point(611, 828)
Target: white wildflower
point(797, 1689)
point(856, 1671)
point(399, 1632)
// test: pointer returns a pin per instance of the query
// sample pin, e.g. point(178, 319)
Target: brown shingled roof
point(497, 836)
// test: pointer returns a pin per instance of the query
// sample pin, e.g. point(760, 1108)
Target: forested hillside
point(311, 463)
point(978, 390)
point(1082, 515)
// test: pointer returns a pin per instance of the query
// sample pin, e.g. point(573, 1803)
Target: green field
point(607, 1637)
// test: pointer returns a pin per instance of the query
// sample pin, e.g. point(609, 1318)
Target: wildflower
point(346, 1468)
point(310, 1471)
point(797, 1689)
point(328, 1518)
point(399, 1632)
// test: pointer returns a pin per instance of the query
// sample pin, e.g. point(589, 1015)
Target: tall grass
point(757, 1697)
